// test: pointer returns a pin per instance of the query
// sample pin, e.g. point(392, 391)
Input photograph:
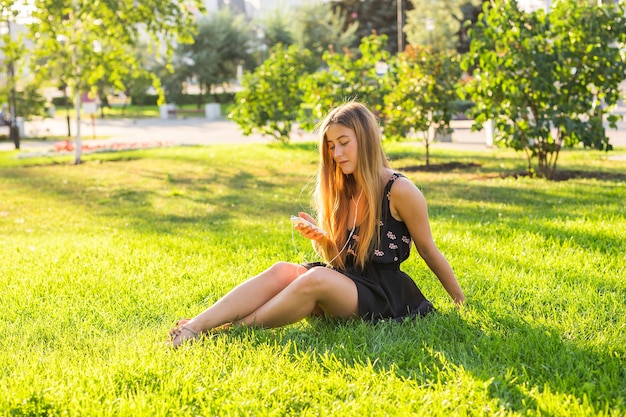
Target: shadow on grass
point(516, 361)
point(443, 167)
point(488, 165)
point(566, 175)
point(547, 211)
point(241, 192)
point(471, 167)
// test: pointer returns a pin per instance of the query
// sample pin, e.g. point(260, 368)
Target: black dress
point(384, 291)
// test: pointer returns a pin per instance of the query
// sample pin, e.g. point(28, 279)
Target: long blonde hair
point(335, 190)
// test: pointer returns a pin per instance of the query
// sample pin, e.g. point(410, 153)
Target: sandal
point(177, 337)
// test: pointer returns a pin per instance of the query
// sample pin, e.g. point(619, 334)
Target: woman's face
point(342, 145)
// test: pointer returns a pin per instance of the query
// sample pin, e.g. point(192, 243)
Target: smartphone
point(296, 220)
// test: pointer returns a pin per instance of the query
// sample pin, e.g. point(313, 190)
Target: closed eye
point(331, 146)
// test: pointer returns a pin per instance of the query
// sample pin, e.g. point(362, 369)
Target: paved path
point(198, 131)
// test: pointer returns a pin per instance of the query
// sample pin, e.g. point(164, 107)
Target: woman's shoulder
point(397, 183)
point(403, 188)
point(390, 176)
point(405, 199)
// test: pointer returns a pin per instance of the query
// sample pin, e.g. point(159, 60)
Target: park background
point(160, 216)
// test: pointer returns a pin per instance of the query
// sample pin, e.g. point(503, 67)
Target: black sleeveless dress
point(384, 291)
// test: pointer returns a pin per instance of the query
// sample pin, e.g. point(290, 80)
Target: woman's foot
point(182, 333)
point(182, 322)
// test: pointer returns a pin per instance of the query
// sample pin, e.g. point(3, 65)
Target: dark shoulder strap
point(385, 202)
point(393, 178)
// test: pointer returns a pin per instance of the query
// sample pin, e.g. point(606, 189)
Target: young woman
point(368, 215)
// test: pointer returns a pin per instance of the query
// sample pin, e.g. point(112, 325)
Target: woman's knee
point(282, 273)
point(334, 293)
point(313, 281)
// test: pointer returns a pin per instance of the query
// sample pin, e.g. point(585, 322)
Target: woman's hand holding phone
point(305, 224)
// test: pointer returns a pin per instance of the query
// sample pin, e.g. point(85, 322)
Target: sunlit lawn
point(98, 260)
point(139, 112)
point(136, 111)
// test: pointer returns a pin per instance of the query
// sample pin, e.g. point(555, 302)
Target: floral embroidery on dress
point(395, 250)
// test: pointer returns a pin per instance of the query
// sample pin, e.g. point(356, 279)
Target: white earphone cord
point(356, 211)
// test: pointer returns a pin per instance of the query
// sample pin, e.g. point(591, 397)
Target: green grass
point(114, 112)
point(137, 112)
point(98, 260)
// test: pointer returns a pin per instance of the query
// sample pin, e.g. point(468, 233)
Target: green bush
point(463, 106)
point(144, 100)
point(270, 100)
point(28, 100)
point(540, 76)
point(61, 101)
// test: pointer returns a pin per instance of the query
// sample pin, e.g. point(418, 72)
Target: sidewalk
point(198, 131)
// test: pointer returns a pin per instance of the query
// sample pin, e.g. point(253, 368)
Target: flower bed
point(69, 146)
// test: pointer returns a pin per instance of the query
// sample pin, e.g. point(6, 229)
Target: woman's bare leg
point(319, 288)
point(283, 294)
point(244, 298)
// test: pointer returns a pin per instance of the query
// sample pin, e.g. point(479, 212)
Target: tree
point(439, 23)
point(544, 78)
point(317, 28)
point(270, 100)
point(220, 44)
point(277, 28)
point(12, 51)
point(380, 16)
point(28, 100)
point(86, 41)
point(349, 76)
point(138, 84)
point(423, 94)
point(467, 19)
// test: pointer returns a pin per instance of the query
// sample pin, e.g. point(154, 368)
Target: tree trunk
point(430, 136)
point(555, 158)
point(529, 160)
point(200, 96)
point(541, 162)
point(78, 143)
point(14, 132)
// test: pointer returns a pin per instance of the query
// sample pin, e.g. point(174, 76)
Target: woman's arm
point(409, 206)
